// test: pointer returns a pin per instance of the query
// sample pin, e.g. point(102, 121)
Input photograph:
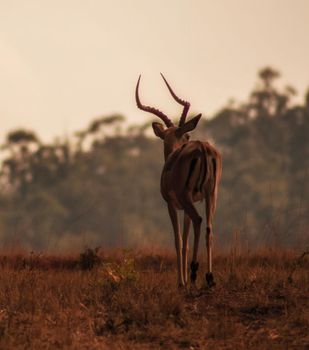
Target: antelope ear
point(190, 125)
point(158, 129)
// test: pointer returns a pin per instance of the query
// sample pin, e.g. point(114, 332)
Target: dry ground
point(129, 300)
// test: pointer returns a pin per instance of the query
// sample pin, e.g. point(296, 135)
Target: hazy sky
point(65, 62)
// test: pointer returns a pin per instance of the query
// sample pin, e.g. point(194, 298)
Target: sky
point(64, 63)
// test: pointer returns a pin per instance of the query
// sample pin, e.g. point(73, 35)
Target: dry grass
point(130, 301)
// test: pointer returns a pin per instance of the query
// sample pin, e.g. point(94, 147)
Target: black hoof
point(194, 267)
point(210, 279)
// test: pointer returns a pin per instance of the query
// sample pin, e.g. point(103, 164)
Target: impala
point(191, 173)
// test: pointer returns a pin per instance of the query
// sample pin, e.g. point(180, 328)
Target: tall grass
point(129, 300)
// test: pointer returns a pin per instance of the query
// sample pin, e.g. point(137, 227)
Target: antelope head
point(173, 136)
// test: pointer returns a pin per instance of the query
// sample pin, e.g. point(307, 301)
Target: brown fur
point(191, 173)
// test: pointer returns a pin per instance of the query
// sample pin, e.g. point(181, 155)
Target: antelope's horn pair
point(157, 112)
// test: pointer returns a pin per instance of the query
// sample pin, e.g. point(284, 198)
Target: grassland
point(129, 300)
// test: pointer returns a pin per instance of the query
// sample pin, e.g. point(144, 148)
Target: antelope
point(191, 173)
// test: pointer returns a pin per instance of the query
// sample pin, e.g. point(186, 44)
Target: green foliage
point(21, 136)
point(116, 275)
point(105, 184)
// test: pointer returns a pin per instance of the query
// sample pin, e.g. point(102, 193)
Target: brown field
point(129, 300)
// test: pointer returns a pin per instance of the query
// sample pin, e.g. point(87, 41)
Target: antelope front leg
point(191, 211)
point(185, 247)
point(178, 242)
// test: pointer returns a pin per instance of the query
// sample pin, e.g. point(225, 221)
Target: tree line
point(101, 187)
